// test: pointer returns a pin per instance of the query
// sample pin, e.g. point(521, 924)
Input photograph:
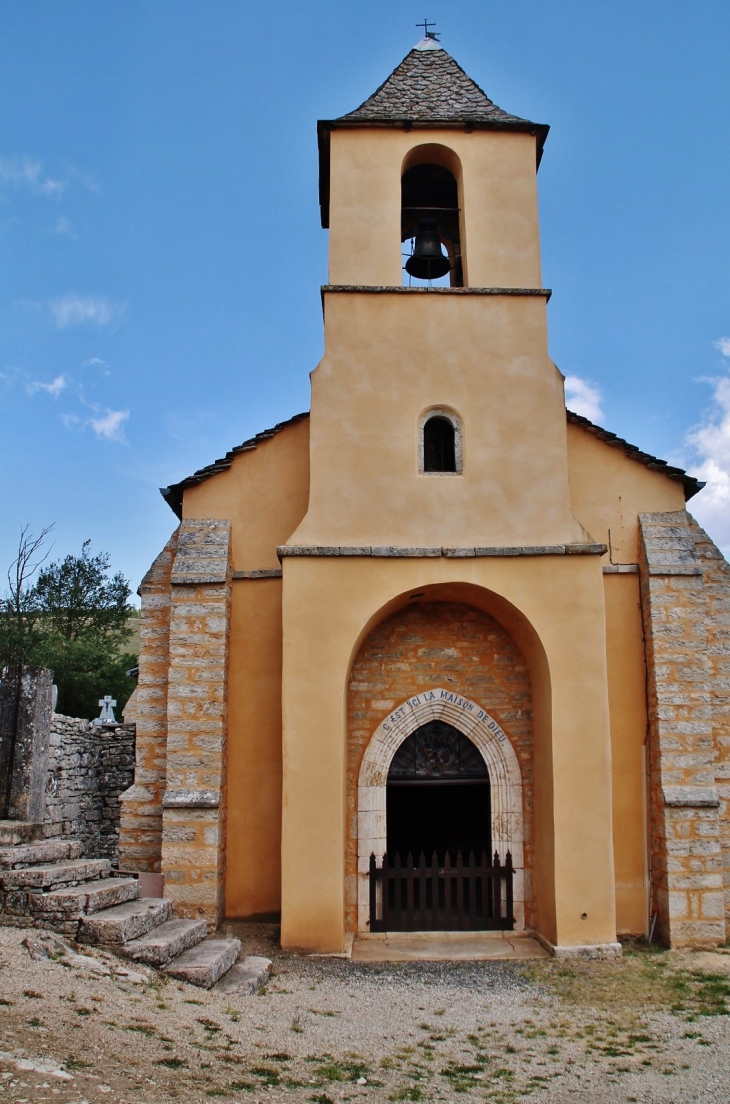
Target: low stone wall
point(88, 767)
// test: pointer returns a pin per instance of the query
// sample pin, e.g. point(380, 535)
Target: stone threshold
point(441, 946)
point(384, 551)
point(620, 569)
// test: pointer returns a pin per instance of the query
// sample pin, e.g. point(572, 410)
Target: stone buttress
point(686, 612)
point(140, 835)
point(194, 803)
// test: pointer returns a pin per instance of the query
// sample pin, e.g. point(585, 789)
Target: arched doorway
point(438, 799)
point(449, 661)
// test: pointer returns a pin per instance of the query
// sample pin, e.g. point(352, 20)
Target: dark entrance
point(438, 873)
point(437, 797)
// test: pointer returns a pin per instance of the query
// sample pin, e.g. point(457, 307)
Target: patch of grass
point(321, 1098)
point(72, 1063)
point(342, 1071)
point(201, 1003)
point(280, 1056)
point(463, 1078)
point(407, 1092)
point(268, 1074)
point(143, 1029)
point(242, 1086)
point(6, 1003)
point(173, 1063)
point(35, 1022)
point(32, 994)
point(296, 1025)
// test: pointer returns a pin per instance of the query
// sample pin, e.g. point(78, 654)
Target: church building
point(437, 654)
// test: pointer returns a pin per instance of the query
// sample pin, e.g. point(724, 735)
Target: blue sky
point(158, 204)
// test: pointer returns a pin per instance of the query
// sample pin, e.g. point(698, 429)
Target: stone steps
point(44, 851)
point(48, 884)
point(205, 964)
point(123, 923)
point(162, 944)
point(48, 875)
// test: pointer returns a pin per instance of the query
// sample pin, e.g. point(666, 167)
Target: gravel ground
point(326, 1030)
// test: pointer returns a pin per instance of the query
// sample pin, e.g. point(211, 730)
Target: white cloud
point(583, 398)
point(110, 424)
point(23, 173)
point(54, 388)
point(709, 441)
point(95, 362)
point(64, 227)
point(79, 310)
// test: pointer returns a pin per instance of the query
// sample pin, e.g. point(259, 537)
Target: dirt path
point(653, 1028)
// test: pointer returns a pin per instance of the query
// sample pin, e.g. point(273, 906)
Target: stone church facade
point(437, 578)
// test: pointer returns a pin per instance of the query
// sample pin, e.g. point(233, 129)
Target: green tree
point(75, 620)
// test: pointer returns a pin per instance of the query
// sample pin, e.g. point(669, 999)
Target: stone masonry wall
point(685, 852)
point(140, 843)
point(88, 768)
point(194, 820)
point(716, 580)
point(444, 644)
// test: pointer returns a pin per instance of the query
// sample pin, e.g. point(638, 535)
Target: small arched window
point(439, 444)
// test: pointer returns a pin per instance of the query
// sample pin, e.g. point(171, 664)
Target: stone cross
point(107, 704)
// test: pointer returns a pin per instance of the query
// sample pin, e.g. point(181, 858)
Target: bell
point(427, 261)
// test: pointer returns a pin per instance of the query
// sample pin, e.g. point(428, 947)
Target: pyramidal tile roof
point(429, 86)
point(428, 90)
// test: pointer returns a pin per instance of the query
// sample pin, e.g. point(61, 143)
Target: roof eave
point(173, 497)
point(692, 486)
point(326, 126)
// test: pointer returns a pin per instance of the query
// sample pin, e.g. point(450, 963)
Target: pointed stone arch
point(505, 779)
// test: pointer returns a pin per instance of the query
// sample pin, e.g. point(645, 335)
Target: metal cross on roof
point(426, 32)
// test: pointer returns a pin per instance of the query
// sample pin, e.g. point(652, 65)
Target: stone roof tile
point(429, 86)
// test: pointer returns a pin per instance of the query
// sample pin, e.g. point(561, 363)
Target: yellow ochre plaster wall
point(556, 604)
point(391, 356)
point(608, 491)
point(264, 494)
point(497, 194)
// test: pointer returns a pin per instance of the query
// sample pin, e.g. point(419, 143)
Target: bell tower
point(438, 473)
point(434, 304)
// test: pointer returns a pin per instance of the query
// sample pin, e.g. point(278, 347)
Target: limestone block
point(124, 922)
point(204, 964)
point(166, 942)
point(73, 903)
point(247, 976)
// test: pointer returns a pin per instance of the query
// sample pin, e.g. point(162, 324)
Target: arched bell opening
point(438, 797)
point(431, 222)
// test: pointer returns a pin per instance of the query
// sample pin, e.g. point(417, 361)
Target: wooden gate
point(427, 897)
